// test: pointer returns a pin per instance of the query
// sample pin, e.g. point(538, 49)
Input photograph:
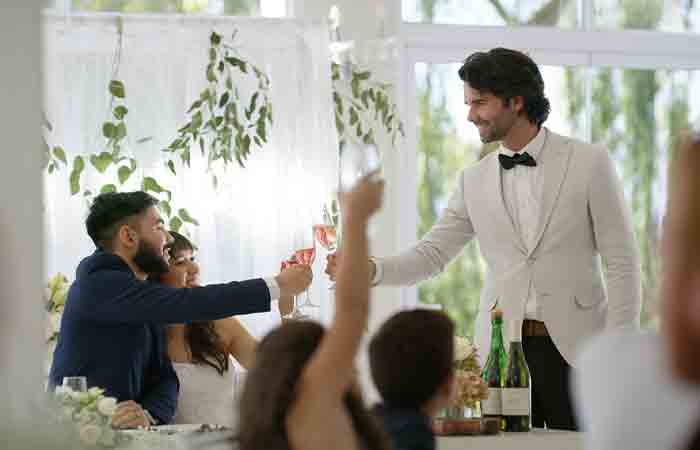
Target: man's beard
point(148, 259)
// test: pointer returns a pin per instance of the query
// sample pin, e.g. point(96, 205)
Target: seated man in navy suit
point(112, 331)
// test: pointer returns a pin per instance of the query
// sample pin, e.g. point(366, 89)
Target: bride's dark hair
point(270, 390)
point(202, 340)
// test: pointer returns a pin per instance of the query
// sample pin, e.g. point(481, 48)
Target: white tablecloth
point(534, 440)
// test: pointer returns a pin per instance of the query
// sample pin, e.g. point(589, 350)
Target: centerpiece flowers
point(470, 388)
point(89, 414)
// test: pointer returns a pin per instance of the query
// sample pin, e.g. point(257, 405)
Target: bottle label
point(492, 405)
point(516, 401)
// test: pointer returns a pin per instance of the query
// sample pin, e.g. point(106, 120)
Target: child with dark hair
point(411, 362)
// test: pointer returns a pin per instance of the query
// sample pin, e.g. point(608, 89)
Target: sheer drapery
point(247, 227)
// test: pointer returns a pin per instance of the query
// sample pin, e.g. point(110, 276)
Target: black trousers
point(549, 373)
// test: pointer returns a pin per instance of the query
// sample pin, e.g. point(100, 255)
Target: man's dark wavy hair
point(507, 74)
point(111, 210)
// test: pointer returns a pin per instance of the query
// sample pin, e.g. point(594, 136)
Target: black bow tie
point(508, 162)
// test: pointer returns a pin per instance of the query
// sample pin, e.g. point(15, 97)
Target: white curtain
point(248, 226)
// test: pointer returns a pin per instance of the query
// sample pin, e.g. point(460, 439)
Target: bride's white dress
point(207, 396)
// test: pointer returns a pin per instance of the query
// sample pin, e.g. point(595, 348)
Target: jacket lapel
point(494, 194)
point(555, 160)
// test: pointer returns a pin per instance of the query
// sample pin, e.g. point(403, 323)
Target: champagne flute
point(306, 254)
point(326, 233)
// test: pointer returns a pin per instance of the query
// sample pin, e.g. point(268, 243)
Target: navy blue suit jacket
point(113, 329)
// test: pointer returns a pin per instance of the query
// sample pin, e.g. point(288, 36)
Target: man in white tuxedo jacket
point(544, 208)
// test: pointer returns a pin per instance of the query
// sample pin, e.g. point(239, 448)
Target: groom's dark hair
point(507, 74)
point(411, 357)
point(111, 210)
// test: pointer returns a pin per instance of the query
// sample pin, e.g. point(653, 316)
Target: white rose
point(87, 417)
point(107, 406)
point(463, 348)
point(55, 321)
point(95, 392)
point(90, 434)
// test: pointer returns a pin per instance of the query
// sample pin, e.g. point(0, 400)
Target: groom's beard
point(149, 260)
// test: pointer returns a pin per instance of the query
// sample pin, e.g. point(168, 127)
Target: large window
point(265, 8)
point(656, 15)
point(635, 93)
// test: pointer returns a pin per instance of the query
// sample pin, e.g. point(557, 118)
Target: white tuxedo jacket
point(583, 217)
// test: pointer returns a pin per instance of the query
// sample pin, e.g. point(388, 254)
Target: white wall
point(21, 221)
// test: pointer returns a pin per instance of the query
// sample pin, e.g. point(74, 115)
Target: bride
point(202, 352)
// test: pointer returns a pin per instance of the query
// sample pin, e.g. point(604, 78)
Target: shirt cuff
point(152, 420)
point(273, 287)
point(378, 271)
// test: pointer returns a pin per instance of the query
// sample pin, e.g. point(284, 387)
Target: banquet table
point(537, 439)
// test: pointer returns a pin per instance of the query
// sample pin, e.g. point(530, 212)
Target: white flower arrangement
point(470, 388)
point(90, 413)
point(55, 295)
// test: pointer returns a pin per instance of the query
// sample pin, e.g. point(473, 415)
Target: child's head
point(411, 359)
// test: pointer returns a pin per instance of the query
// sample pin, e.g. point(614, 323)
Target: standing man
point(544, 208)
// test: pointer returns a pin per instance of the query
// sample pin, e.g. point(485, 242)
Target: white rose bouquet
point(471, 388)
point(90, 413)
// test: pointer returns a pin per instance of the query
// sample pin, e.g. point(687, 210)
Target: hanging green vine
point(222, 124)
point(363, 106)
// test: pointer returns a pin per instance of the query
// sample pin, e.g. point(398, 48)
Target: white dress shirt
point(522, 194)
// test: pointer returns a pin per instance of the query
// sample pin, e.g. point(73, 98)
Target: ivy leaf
point(102, 161)
point(150, 184)
point(365, 99)
point(185, 156)
point(196, 122)
point(124, 173)
point(78, 167)
point(338, 103)
point(215, 38)
point(108, 188)
point(116, 88)
point(201, 145)
point(211, 76)
point(221, 67)
point(165, 207)
point(339, 125)
point(109, 130)
point(120, 112)
point(185, 215)
point(60, 154)
point(194, 106)
point(260, 131)
point(212, 54)
point(355, 84)
point(354, 118)
point(52, 167)
point(224, 100)
point(175, 224)
point(363, 76)
point(171, 166)
point(235, 62)
point(121, 131)
point(134, 164)
point(229, 83)
point(254, 103)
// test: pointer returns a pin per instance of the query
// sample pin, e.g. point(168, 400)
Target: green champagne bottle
point(516, 393)
point(494, 373)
